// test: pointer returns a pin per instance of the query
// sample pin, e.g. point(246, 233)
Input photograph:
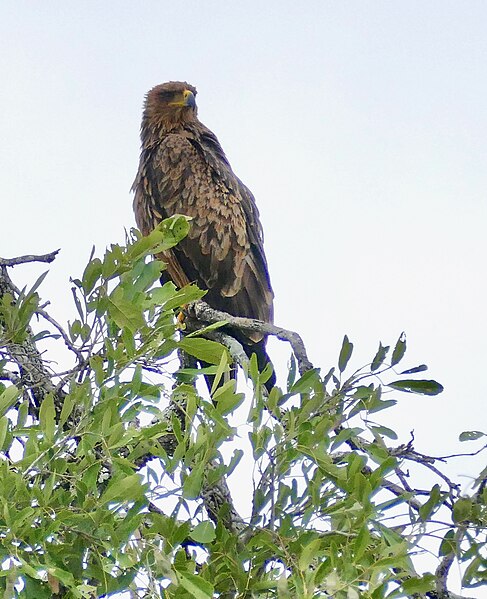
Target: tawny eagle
point(183, 170)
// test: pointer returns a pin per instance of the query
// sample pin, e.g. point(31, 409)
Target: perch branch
point(202, 312)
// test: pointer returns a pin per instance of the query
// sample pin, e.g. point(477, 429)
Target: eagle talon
point(180, 324)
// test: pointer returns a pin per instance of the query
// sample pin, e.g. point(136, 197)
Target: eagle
point(183, 170)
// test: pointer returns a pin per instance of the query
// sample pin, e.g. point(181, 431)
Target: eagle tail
point(263, 360)
point(259, 349)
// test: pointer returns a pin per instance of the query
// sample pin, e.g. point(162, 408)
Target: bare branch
point(443, 569)
point(29, 258)
point(218, 502)
point(204, 313)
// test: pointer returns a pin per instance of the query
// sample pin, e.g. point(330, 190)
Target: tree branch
point(34, 376)
point(29, 258)
point(204, 313)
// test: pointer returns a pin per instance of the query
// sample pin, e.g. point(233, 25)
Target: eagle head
point(170, 104)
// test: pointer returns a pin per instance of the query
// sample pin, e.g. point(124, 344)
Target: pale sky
point(360, 127)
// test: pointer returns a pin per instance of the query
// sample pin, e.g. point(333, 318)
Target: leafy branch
point(116, 473)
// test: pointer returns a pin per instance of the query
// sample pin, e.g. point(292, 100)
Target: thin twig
point(461, 455)
point(62, 332)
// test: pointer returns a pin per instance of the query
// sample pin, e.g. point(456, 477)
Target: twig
point(462, 455)
point(29, 258)
point(62, 332)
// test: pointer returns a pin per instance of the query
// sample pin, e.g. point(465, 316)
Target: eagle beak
point(189, 99)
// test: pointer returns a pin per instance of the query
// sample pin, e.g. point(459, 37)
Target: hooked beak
point(189, 99)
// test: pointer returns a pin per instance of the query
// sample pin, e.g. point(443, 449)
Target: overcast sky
point(361, 128)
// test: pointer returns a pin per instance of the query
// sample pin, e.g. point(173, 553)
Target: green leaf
point(448, 543)
point(307, 382)
point(204, 532)
point(211, 327)
point(37, 284)
point(47, 415)
point(29, 570)
point(124, 313)
point(291, 375)
point(127, 488)
point(379, 358)
point(91, 275)
point(226, 399)
point(197, 587)
point(433, 502)
point(183, 296)
point(237, 456)
point(65, 577)
point(192, 483)
point(222, 367)
point(421, 387)
point(385, 431)
point(166, 235)
point(145, 245)
point(149, 273)
point(175, 228)
point(420, 368)
point(203, 349)
point(462, 509)
point(471, 435)
point(309, 553)
point(475, 573)
point(97, 364)
point(45, 335)
point(35, 588)
point(75, 330)
point(344, 435)
point(399, 350)
point(328, 376)
point(77, 303)
point(361, 542)
point(68, 405)
point(8, 398)
point(345, 354)
point(412, 586)
point(3, 430)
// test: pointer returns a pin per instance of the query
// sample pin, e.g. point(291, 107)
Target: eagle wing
point(223, 252)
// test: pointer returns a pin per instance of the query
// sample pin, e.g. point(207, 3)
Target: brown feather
point(183, 170)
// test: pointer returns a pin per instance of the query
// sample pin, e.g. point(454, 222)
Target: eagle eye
point(166, 95)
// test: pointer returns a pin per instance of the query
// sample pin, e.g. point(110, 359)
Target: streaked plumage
point(183, 170)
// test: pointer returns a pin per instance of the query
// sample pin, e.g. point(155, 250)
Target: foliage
point(113, 473)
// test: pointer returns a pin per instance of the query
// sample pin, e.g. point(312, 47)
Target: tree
point(114, 471)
